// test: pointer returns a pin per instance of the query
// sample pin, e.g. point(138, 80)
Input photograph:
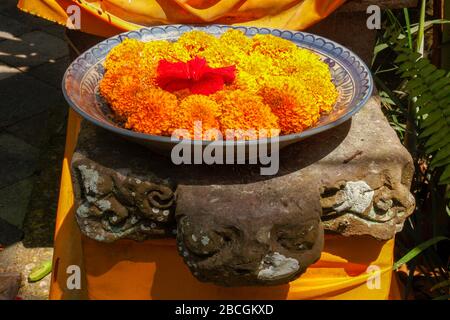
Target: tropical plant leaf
point(418, 250)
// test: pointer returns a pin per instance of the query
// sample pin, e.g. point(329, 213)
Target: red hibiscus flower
point(194, 75)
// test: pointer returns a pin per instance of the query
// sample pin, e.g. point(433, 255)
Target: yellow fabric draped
point(154, 270)
point(109, 17)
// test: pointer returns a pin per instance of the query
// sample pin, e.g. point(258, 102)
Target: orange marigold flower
point(242, 112)
point(295, 107)
point(119, 88)
point(154, 112)
point(198, 114)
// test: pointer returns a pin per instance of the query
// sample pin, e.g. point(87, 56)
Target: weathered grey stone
point(32, 49)
point(9, 285)
point(11, 28)
point(7, 71)
point(18, 161)
point(31, 130)
point(234, 226)
point(14, 201)
point(9, 233)
point(52, 72)
point(22, 97)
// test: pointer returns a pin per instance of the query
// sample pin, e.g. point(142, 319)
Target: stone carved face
point(254, 238)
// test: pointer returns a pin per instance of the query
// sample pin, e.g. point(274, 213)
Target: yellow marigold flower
point(272, 46)
point(195, 42)
point(125, 54)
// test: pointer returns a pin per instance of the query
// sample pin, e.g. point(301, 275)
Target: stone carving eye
point(201, 240)
point(298, 238)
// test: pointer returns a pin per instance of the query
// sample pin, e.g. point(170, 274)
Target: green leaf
point(438, 137)
point(445, 174)
point(429, 69)
point(401, 58)
point(40, 271)
point(442, 153)
point(430, 107)
point(432, 118)
point(422, 63)
point(439, 84)
point(419, 91)
point(418, 250)
point(443, 93)
point(442, 284)
point(437, 146)
point(441, 163)
point(406, 66)
point(432, 129)
point(435, 76)
point(412, 84)
point(423, 99)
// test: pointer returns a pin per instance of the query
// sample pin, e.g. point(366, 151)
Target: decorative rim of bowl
point(308, 40)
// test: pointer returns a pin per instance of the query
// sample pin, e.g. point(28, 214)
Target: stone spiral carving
point(113, 206)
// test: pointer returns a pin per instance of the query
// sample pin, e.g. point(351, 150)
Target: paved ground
point(33, 58)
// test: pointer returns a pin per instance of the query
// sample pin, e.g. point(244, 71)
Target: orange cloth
point(153, 270)
point(109, 17)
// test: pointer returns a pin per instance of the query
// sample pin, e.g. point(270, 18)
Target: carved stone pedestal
point(235, 227)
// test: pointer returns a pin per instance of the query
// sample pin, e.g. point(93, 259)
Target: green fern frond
point(429, 89)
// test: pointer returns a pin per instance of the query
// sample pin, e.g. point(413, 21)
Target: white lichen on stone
point(90, 199)
point(194, 238)
point(99, 238)
point(275, 266)
point(104, 204)
point(83, 211)
point(204, 240)
point(90, 178)
point(356, 196)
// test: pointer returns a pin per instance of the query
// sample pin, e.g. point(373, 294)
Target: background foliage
point(415, 93)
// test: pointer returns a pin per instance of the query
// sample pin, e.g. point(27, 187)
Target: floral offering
point(202, 83)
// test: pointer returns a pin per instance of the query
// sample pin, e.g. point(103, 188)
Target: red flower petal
point(195, 75)
point(197, 68)
point(207, 85)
